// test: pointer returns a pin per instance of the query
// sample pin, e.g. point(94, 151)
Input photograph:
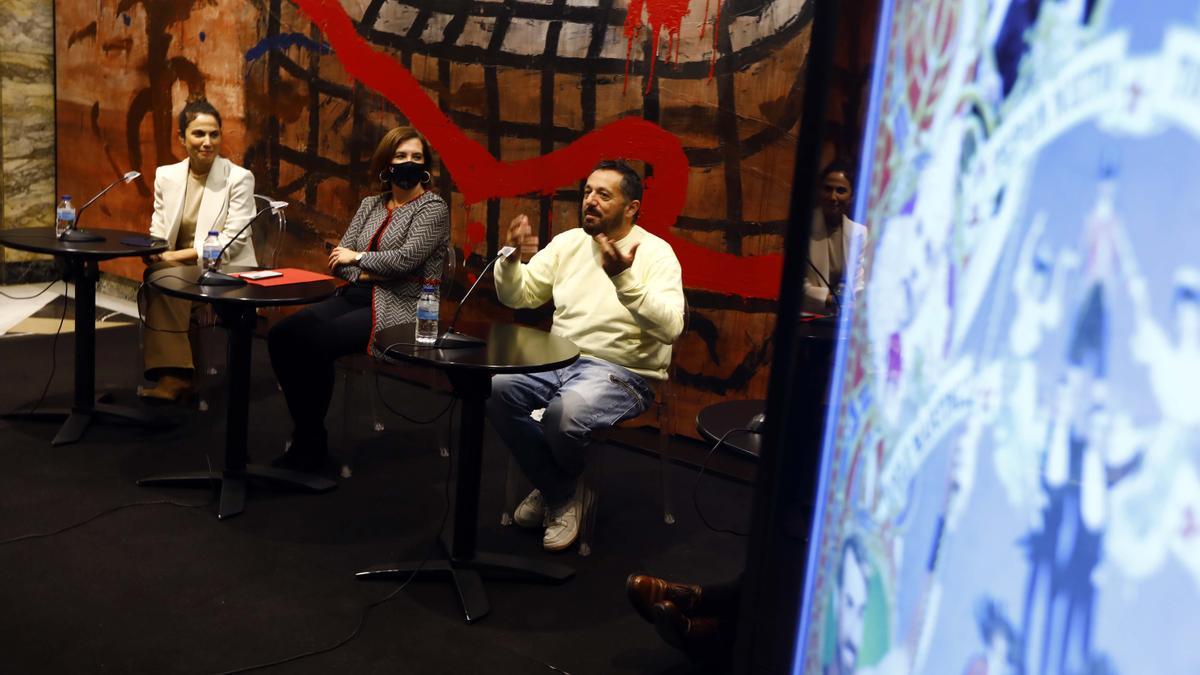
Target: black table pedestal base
point(233, 484)
point(77, 420)
point(508, 349)
point(81, 253)
point(239, 319)
point(466, 575)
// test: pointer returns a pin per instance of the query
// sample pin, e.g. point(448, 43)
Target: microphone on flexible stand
point(452, 339)
point(214, 277)
point(73, 233)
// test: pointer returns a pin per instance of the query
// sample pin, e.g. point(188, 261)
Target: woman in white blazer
point(834, 237)
point(203, 192)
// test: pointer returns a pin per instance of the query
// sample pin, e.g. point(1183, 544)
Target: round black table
point(235, 306)
point(82, 267)
point(509, 349)
point(715, 421)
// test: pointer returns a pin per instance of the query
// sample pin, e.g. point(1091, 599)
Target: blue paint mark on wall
point(284, 41)
point(125, 18)
point(203, 37)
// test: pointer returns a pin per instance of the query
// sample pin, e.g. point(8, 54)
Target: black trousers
point(303, 349)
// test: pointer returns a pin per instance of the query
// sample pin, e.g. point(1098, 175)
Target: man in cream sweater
point(618, 295)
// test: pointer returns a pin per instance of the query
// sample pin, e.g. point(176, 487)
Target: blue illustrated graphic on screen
point(1011, 475)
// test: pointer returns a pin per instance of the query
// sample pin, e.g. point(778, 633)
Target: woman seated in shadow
point(203, 193)
point(395, 241)
point(833, 242)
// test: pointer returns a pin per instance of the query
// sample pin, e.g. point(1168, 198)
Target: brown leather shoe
point(698, 637)
point(170, 388)
point(644, 591)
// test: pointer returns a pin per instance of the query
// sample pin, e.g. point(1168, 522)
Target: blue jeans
point(586, 396)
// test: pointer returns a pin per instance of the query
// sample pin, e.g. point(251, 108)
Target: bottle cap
point(212, 233)
point(66, 198)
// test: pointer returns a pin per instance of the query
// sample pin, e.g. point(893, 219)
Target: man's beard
point(599, 225)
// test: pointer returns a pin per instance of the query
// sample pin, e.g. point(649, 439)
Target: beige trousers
point(165, 340)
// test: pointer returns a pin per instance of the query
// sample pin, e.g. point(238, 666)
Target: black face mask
point(404, 175)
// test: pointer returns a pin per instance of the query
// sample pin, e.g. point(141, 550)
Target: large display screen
point(1010, 482)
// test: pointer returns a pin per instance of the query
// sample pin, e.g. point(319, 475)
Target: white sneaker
point(562, 526)
point(531, 512)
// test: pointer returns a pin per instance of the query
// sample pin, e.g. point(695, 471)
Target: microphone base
point(454, 340)
point(79, 236)
point(214, 278)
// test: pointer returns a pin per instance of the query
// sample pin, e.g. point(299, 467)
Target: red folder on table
point(287, 275)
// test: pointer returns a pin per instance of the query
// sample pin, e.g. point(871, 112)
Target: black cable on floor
point(156, 502)
point(53, 352)
point(362, 619)
point(696, 486)
point(30, 297)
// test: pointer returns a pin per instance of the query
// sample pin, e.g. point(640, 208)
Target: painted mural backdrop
point(519, 99)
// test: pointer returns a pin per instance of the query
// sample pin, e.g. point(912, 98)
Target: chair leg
point(443, 438)
point(664, 461)
point(589, 494)
point(512, 491)
point(376, 420)
point(205, 374)
point(349, 380)
point(200, 374)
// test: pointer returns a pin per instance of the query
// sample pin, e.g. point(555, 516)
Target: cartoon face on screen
point(850, 606)
point(1016, 429)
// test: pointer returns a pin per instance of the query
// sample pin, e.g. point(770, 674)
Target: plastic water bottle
point(211, 258)
point(64, 216)
point(427, 315)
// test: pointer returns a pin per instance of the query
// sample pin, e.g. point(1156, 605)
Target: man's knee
point(502, 392)
point(504, 398)
point(570, 418)
point(568, 428)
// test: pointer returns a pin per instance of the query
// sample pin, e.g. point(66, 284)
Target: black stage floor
point(170, 589)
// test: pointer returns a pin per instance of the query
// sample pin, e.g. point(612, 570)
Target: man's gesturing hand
point(613, 261)
point(521, 237)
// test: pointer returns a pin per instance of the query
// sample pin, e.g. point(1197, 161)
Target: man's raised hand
point(613, 261)
point(521, 237)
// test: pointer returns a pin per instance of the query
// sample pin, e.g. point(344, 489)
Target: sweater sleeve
point(429, 230)
point(528, 285)
point(655, 298)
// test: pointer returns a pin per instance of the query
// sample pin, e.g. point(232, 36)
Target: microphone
point(836, 301)
point(73, 233)
point(452, 339)
point(213, 277)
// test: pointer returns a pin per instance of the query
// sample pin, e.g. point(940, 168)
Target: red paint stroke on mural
point(476, 234)
point(660, 15)
point(712, 63)
point(480, 176)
